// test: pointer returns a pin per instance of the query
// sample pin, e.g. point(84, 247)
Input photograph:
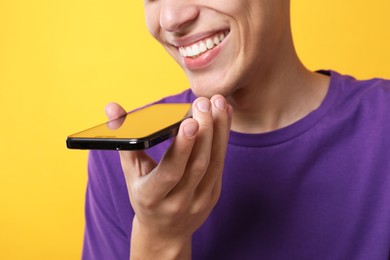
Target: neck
point(278, 96)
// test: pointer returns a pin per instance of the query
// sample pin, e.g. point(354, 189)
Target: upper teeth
point(202, 46)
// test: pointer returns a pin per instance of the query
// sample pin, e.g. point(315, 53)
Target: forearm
point(147, 246)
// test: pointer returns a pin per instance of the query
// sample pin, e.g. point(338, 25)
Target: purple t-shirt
point(317, 189)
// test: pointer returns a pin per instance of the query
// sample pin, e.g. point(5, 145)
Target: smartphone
point(137, 130)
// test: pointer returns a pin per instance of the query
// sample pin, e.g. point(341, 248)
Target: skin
point(256, 73)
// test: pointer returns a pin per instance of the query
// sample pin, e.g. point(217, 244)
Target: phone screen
point(139, 129)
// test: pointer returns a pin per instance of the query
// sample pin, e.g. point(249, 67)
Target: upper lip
point(191, 39)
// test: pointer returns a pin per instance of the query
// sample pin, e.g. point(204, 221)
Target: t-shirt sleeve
point(104, 236)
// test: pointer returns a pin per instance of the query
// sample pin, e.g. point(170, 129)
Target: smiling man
point(278, 162)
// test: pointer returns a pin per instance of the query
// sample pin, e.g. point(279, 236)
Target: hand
point(172, 199)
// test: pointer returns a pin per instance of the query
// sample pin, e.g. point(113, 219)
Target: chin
point(210, 90)
point(207, 87)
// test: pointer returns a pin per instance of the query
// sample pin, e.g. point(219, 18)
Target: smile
point(196, 49)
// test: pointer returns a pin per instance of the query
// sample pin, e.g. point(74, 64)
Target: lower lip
point(204, 59)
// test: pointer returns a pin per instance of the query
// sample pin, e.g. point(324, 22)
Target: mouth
point(198, 48)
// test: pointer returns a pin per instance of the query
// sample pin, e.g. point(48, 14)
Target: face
point(222, 45)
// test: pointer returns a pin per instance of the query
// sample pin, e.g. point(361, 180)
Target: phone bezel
point(141, 143)
point(123, 143)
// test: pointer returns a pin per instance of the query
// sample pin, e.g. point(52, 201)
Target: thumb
point(115, 114)
point(114, 110)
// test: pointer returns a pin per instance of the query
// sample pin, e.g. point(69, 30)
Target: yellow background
point(61, 61)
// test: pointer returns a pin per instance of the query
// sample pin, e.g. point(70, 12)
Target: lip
point(205, 59)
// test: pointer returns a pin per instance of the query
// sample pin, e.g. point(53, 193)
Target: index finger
point(172, 166)
point(222, 113)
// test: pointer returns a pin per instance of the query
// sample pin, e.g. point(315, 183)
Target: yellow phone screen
point(140, 123)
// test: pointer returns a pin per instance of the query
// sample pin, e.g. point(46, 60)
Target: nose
point(176, 14)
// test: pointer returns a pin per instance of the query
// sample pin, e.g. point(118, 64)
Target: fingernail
point(203, 105)
point(190, 129)
point(220, 103)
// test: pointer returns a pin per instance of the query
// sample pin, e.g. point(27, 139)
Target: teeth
point(195, 50)
point(209, 44)
point(182, 52)
point(188, 51)
point(202, 46)
point(216, 40)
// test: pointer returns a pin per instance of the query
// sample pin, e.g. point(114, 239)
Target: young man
point(304, 155)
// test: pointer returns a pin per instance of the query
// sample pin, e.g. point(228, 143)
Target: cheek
point(226, 6)
point(152, 18)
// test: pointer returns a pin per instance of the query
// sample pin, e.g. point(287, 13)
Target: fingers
point(200, 156)
point(203, 172)
point(222, 113)
point(171, 169)
point(192, 164)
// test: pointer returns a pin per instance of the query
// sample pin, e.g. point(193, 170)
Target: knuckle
point(200, 207)
point(146, 203)
point(176, 209)
point(184, 150)
point(200, 166)
point(206, 122)
point(141, 199)
point(204, 204)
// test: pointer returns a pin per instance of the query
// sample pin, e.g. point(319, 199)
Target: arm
point(172, 199)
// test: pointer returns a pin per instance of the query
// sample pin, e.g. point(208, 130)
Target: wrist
point(146, 244)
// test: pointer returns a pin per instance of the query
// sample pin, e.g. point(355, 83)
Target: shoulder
point(370, 94)
point(359, 106)
point(351, 87)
